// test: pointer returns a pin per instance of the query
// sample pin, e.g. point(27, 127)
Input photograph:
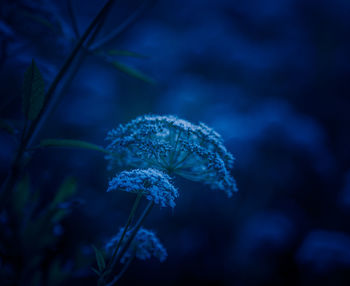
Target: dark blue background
point(271, 76)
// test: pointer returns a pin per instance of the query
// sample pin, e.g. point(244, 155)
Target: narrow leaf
point(126, 54)
point(132, 72)
point(40, 20)
point(99, 259)
point(58, 215)
point(96, 271)
point(21, 194)
point(33, 91)
point(66, 190)
point(6, 126)
point(56, 275)
point(71, 144)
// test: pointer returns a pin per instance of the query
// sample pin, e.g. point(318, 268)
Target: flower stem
point(110, 264)
point(132, 214)
point(132, 235)
point(122, 271)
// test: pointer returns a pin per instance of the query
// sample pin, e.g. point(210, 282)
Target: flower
point(154, 184)
point(177, 146)
point(144, 245)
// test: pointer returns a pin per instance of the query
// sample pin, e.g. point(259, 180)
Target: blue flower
point(177, 146)
point(144, 245)
point(153, 184)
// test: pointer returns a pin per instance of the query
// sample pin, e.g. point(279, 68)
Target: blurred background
point(272, 77)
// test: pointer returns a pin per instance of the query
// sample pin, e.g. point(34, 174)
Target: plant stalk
point(122, 271)
point(128, 222)
point(132, 235)
point(34, 127)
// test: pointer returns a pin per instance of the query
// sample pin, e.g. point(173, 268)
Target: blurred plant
point(29, 233)
point(324, 251)
point(29, 226)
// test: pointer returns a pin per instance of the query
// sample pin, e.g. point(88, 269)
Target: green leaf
point(126, 54)
point(33, 92)
point(58, 215)
point(56, 274)
point(96, 271)
point(21, 194)
point(132, 72)
point(99, 259)
point(36, 278)
point(71, 144)
point(40, 20)
point(66, 190)
point(6, 126)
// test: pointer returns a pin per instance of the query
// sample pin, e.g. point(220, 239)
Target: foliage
point(33, 92)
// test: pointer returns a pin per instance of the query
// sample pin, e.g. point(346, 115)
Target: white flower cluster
point(144, 245)
point(154, 184)
point(177, 146)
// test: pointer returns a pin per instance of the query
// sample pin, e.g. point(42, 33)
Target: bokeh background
point(271, 76)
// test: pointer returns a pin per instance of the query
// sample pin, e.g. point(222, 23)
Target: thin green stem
point(128, 222)
point(131, 216)
point(122, 271)
point(121, 28)
point(35, 124)
point(134, 231)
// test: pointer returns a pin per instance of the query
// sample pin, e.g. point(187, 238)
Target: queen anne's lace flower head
point(195, 152)
point(144, 245)
point(154, 184)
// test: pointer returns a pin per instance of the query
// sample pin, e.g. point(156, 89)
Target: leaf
point(56, 274)
point(36, 279)
point(99, 259)
point(72, 144)
point(40, 20)
point(33, 92)
point(126, 53)
point(6, 126)
point(58, 215)
point(21, 194)
point(66, 190)
point(132, 72)
point(96, 271)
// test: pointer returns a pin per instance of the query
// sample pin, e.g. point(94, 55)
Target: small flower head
point(144, 245)
point(153, 184)
point(168, 143)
